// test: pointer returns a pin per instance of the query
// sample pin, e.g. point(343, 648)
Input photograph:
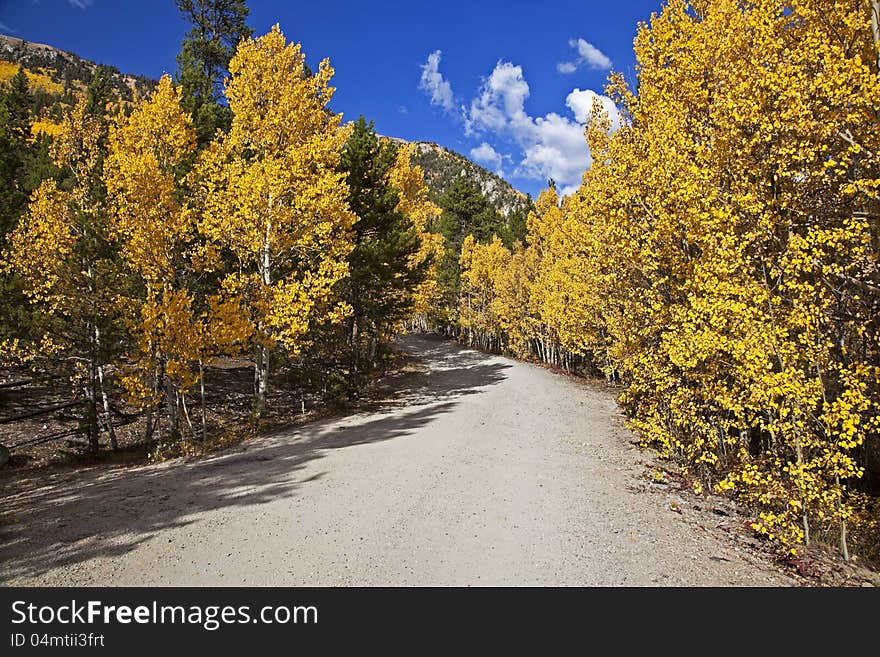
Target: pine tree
point(218, 26)
point(24, 164)
point(382, 276)
point(16, 116)
point(99, 92)
point(514, 231)
point(465, 212)
point(19, 107)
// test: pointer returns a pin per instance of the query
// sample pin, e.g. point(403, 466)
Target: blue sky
point(506, 83)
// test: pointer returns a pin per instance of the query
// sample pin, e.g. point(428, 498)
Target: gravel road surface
point(476, 470)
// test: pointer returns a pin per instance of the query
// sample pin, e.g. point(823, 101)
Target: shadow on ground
point(56, 520)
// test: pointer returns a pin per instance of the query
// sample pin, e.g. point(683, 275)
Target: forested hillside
point(56, 78)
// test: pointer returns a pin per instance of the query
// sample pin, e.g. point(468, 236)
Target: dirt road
point(478, 470)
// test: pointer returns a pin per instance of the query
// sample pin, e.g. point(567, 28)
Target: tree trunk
point(90, 412)
point(800, 462)
point(875, 28)
point(173, 432)
point(261, 366)
point(354, 357)
point(261, 379)
point(192, 431)
point(204, 408)
point(844, 548)
point(148, 429)
point(108, 419)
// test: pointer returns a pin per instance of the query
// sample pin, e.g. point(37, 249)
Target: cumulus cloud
point(553, 146)
point(500, 101)
point(557, 149)
point(588, 55)
point(486, 155)
point(435, 85)
point(581, 104)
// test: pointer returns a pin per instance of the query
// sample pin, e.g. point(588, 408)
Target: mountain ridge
point(57, 76)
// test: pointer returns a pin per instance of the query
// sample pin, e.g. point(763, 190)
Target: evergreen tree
point(19, 107)
point(382, 278)
point(465, 212)
point(16, 106)
point(24, 164)
point(515, 230)
point(99, 91)
point(218, 26)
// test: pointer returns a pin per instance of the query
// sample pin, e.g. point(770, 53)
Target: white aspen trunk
point(355, 357)
point(204, 408)
point(192, 432)
point(875, 28)
point(261, 367)
point(261, 376)
point(90, 413)
point(170, 405)
point(157, 372)
point(108, 420)
point(800, 462)
point(844, 548)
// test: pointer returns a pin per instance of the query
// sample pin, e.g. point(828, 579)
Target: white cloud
point(435, 85)
point(488, 156)
point(556, 149)
point(581, 104)
point(588, 55)
point(553, 146)
point(5, 28)
point(81, 4)
point(501, 100)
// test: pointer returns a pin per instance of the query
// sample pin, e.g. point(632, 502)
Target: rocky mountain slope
point(441, 166)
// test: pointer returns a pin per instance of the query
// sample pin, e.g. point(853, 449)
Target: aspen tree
point(272, 197)
point(720, 258)
point(148, 156)
point(414, 203)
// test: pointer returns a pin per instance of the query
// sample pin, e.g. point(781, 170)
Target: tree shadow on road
point(61, 519)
